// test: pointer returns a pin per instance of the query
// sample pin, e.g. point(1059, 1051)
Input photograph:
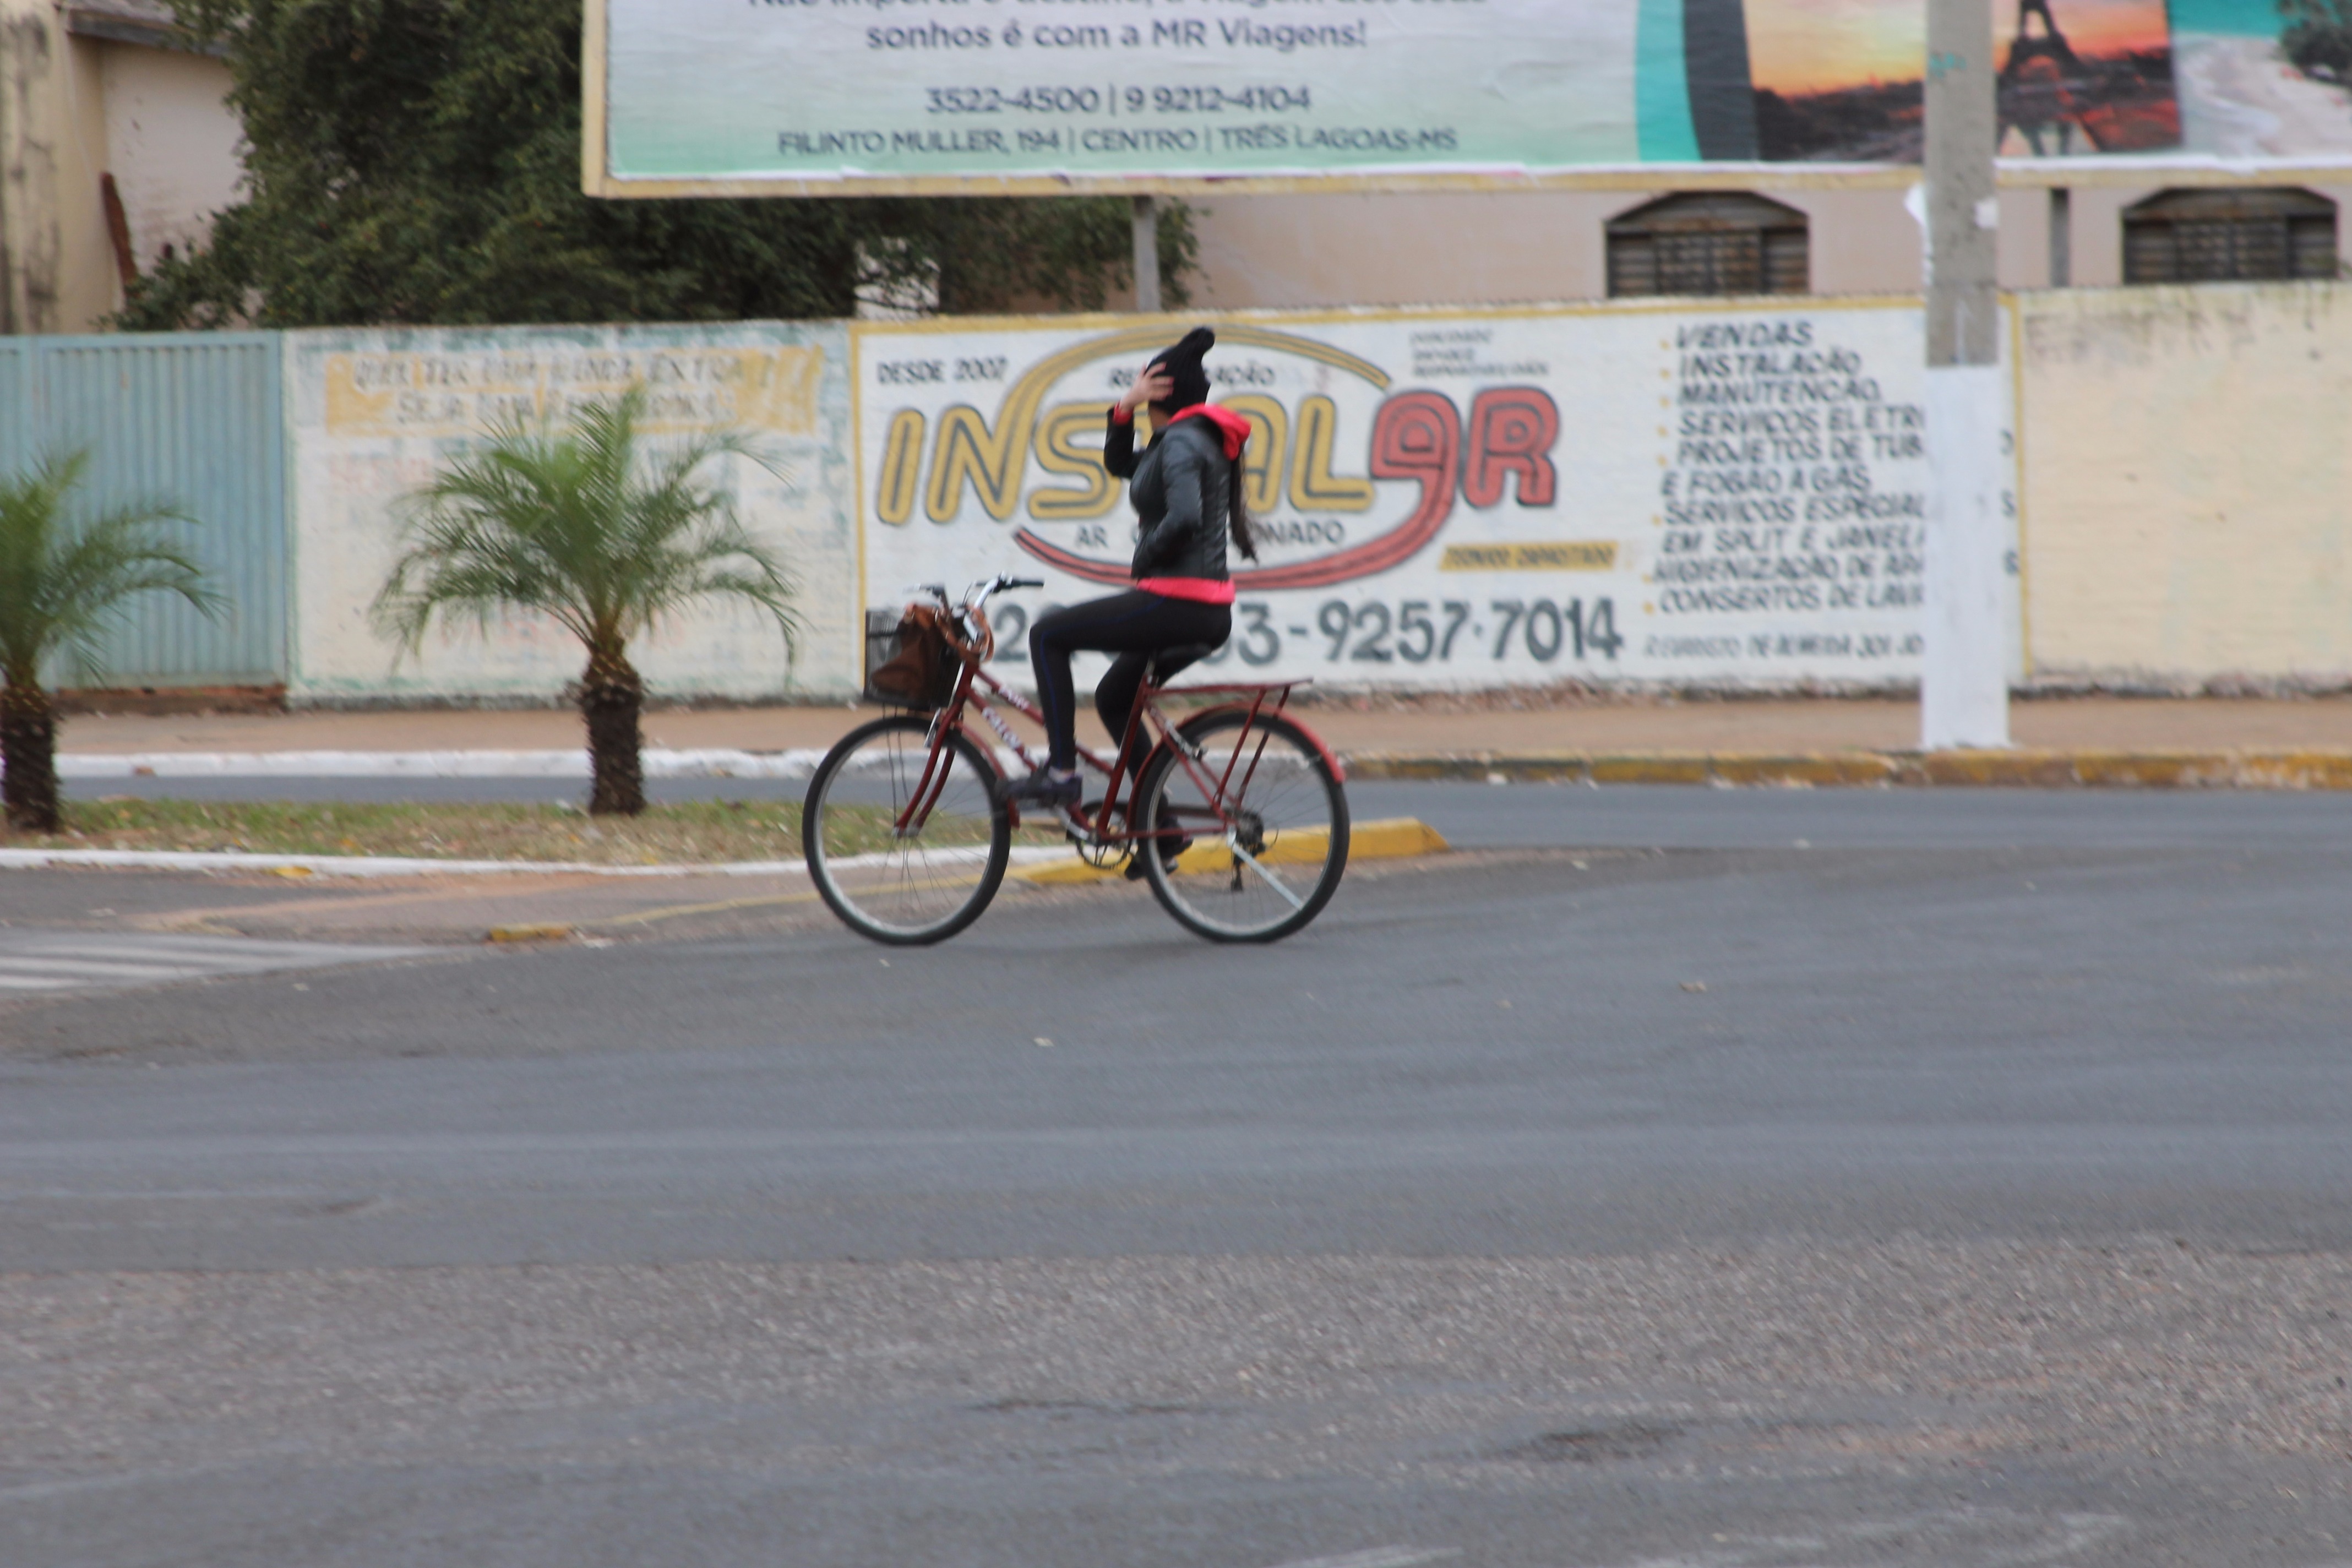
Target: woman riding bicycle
point(1187, 490)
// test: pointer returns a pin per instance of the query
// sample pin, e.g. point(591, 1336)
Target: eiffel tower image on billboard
point(2044, 85)
point(2077, 79)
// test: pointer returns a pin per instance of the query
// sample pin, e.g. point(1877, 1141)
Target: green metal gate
point(191, 419)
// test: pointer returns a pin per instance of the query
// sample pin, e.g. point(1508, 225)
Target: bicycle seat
point(1181, 655)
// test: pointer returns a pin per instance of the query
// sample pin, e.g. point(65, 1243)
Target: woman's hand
point(1154, 385)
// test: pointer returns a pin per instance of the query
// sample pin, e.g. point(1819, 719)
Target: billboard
point(851, 96)
point(1450, 499)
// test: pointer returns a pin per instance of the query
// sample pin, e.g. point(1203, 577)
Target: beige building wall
point(2022, 255)
point(1498, 247)
point(2097, 225)
point(172, 142)
point(1863, 241)
point(85, 92)
point(1481, 248)
point(58, 273)
point(1494, 248)
point(2095, 229)
point(1521, 247)
point(2188, 483)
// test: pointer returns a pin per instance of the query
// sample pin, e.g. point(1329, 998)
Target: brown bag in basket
point(922, 672)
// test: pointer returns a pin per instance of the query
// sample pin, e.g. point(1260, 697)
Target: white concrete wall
point(2188, 484)
point(372, 415)
point(2183, 483)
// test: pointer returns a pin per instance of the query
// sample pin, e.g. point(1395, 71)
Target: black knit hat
point(1182, 365)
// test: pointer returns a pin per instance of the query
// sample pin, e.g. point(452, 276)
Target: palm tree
point(62, 586)
point(577, 526)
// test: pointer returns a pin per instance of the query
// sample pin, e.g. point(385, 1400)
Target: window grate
point(2311, 243)
point(2229, 236)
point(1712, 244)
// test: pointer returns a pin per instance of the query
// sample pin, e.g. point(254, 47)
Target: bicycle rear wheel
point(1271, 859)
point(928, 883)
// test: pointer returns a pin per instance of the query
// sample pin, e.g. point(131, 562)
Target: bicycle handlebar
point(971, 611)
point(977, 596)
point(980, 593)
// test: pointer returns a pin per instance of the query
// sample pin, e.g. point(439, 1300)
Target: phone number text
point(1411, 631)
point(1131, 100)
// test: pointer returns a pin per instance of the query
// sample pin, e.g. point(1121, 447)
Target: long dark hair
point(1238, 521)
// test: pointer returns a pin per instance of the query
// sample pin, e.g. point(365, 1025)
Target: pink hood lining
point(1229, 425)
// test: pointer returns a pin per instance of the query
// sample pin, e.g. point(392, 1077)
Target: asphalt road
point(1969, 1185)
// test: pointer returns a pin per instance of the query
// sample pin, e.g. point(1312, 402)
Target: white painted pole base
point(1964, 670)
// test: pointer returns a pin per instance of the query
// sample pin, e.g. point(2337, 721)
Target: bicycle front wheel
point(928, 879)
point(1267, 823)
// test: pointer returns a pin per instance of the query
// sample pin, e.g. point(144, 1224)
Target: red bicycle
point(1237, 810)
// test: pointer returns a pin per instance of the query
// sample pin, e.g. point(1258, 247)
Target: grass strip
point(698, 832)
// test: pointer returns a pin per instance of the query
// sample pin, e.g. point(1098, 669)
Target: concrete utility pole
point(1147, 256)
point(1964, 675)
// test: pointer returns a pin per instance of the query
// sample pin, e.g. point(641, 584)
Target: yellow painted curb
point(1389, 838)
point(1824, 770)
point(1394, 838)
point(2157, 770)
point(530, 933)
point(1649, 770)
point(2296, 770)
point(2010, 768)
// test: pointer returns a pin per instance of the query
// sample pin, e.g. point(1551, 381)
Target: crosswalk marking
point(50, 961)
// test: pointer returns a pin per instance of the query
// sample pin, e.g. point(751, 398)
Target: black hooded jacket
point(1181, 484)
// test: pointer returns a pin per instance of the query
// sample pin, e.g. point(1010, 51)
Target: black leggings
point(1135, 625)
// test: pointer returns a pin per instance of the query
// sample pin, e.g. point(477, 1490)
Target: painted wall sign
point(1464, 500)
point(949, 95)
point(372, 415)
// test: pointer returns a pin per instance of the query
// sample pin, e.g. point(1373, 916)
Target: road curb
point(1389, 838)
point(2304, 769)
point(546, 931)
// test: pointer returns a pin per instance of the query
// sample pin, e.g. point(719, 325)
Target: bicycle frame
point(1101, 830)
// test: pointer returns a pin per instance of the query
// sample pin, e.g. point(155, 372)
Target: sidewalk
point(2210, 740)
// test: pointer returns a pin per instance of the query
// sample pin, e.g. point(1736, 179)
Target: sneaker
point(1047, 787)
